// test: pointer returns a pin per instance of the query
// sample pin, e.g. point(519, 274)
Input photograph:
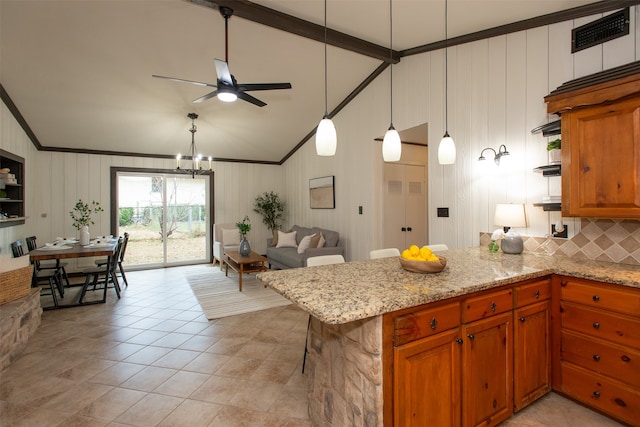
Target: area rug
point(219, 296)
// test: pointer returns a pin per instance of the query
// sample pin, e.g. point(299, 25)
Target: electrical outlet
point(360, 210)
point(443, 212)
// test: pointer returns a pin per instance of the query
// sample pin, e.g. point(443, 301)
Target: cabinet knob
point(596, 394)
point(493, 306)
point(596, 357)
point(537, 294)
point(403, 229)
point(596, 325)
point(471, 337)
point(408, 228)
point(522, 319)
point(596, 298)
point(459, 340)
point(434, 323)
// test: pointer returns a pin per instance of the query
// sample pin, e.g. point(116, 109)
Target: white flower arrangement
point(497, 234)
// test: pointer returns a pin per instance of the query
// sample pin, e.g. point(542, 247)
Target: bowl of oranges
point(422, 260)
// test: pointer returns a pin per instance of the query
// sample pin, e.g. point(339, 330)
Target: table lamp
point(510, 215)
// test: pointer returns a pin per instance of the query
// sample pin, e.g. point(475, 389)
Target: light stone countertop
point(341, 293)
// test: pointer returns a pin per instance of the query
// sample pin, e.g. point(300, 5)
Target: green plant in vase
point(81, 215)
point(244, 227)
point(269, 205)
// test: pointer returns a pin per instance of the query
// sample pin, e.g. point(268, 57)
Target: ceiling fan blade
point(185, 81)
point(263, 86)
point(251, 99)
point(222, 70)
point(205, 97)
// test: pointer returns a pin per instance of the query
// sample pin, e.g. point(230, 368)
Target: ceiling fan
point(227, 88)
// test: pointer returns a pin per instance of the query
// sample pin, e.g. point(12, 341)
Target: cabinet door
point(487, 371)
point(601, 161)
point(532, 352)
point(427, 381)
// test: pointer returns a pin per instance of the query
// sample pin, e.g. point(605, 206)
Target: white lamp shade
point(510, 215)
point(326, 138)
point(391, 146)
point(447, 151)
point(227, 96)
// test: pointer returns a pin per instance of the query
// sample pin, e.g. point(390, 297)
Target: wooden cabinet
point(600, 143)
point(12, 206)
point(532, 343)
point(599, 334)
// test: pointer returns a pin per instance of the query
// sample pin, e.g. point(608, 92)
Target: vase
point(555, 156)
point(493, 246)
point(244, 248)
point(84, 235)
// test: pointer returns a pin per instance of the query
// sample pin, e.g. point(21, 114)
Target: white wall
point(496, 91)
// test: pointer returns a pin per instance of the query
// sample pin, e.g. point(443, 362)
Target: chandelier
point(194, 156)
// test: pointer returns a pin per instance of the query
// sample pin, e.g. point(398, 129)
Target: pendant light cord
point(326, 108)
point(446, 67)
point(391, 55)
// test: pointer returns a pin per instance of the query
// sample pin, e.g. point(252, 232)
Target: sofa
point(288, 257)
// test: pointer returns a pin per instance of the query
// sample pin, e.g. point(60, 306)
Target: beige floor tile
point(112, 404)
point(117, 374)
point(256, 350)
point(207, 363)
point(273, 371)
point(81, 421)
point(26, 415)
point(146, 337)
point(239, 367)
point(182, 384)
point(217, 389)
point(176, 359)
point(149, 410)
point(237, 417)
point(256, 396)
point(75, 397)
point(172, 340)
point(149, 378)
point(275, 420)
point(199, 343)
point(82, 371)
point(148, 355)
point(292, 402)
point(121, 351)
point(228, 345)
point(191, 413)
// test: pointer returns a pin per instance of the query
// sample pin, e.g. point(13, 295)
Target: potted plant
point(554, 148)
point(269, 205)
point(244, 227)
point(81, 215)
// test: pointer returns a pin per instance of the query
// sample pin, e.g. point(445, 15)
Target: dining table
point(62, 249)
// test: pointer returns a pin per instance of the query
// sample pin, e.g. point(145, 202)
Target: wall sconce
point(502, 151)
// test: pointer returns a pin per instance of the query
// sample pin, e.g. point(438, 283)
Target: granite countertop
point(341, 293)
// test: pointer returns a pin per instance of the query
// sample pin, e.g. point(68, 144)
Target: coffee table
point(252, 263)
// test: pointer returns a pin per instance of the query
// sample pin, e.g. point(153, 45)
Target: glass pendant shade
point(227, 96)
point(447, 150)
point(326, 138)
point(391, 146)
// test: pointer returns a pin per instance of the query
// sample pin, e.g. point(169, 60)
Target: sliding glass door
point(166, 216)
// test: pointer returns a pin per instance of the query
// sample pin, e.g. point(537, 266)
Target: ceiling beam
point(282, 21)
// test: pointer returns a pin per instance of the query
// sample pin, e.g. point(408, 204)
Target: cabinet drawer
point(425, 322)
point(601, 393)
point(487, 305)
point(601, 324)
point(615, 298)
point(533, 292)
point(621, 363)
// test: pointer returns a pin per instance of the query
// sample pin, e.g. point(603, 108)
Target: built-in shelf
point(549, 206)
point(13, 204)
point(549, 129)
point(549, 170)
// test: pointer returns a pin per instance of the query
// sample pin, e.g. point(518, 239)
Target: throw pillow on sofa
point(307, 242)
point(287, 240)
point(321, 241)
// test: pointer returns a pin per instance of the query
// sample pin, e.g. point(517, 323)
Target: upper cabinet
point(11, 189)
point(600, 121)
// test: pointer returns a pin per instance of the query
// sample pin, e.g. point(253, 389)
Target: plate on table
point(51, 247)
point(99, 245)
point(64, 240)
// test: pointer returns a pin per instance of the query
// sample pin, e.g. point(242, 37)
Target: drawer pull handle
point(596, 394)
point(471, 337)
point(434, 323)
point(493, 306)
point(596, 325)
point(625, 358)
point(596, 357)
point(537, 294)
point(620, 402)
point(522, 319)
point(596, 298)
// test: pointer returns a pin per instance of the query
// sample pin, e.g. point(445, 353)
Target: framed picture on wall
point(322, 193)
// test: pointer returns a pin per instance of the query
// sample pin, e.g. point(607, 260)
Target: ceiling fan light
point(447, 150)
point(227, 96)
point(391, 146)
point(326, 138)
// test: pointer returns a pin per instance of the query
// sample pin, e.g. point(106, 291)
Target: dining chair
point(103, 275)
point(313, 262)
point(52, 277)
point(384, 253)
point(47, 265)
point(102, 262)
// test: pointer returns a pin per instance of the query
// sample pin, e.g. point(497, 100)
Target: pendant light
point(391, 144)
point(447, 148)
point(326, 138)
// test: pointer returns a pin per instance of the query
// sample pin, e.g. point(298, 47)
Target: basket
point(423, 266)
point(15, 284)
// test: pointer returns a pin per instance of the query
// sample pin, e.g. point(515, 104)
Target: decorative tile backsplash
point(613, 240)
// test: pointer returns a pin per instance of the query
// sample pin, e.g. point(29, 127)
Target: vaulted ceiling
point(80, 72)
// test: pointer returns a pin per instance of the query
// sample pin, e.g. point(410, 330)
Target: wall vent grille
point(597, 32)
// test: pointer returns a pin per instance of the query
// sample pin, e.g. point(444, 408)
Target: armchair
point(225, 237)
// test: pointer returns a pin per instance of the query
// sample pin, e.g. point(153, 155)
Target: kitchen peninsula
point(366, 316)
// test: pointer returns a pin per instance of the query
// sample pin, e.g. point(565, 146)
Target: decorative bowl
point(423, 266)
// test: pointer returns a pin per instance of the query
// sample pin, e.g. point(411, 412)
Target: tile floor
point(153, 359)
